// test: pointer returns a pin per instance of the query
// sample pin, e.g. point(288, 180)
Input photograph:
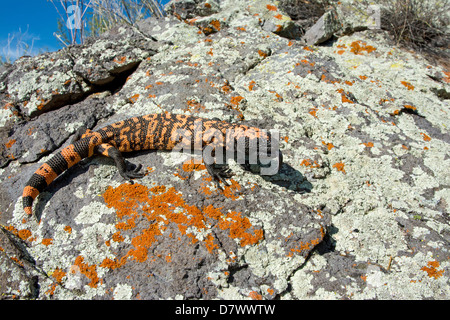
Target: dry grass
point(419, 24)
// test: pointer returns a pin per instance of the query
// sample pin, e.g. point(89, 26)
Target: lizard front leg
point(218, 172)
point(111, 152)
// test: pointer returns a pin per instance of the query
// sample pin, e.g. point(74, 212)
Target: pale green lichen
point(122, 292)
point(92, 213)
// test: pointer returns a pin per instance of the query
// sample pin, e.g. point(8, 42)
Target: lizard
point(163, 131)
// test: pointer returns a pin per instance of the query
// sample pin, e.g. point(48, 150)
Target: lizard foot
point(219, 174)
point(133, 174)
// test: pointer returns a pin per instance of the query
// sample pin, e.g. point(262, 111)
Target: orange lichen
point(10, 143)
point(255, 295)
point(234, 104)
point(47, 241)
point(209, 243)
point(425, 137)
point(357, 47)
point(344, 96)
point(239, 227)
point(68, 229)
point(52, 289)
point(58, 274)
point(236, 100)
point(192, 165)
point(407, 85)
point(134, 98)
point(407, 106)
point(271, 7)
point(339, 167)
point(447, 77)
point(212, 212)
point(120, 60)
point(24, 234)
point(179, 175)
point(262, 54)
point(368, 144)
point(279, 98)
point(251, 85)
point(324, 79)
point(278, 16)
point(194, 106)
point(216, 24)
point(226, 88)
point(308, 245)
point(232, 191)
point(161, 206)
point(16, 260)
point(328, 145)
point(89, 271)
point(313, 112)
point(310, 163)
point(347, 100)
point(117, 237)
point(113, 264)
point(205, 186)
point(432, 269)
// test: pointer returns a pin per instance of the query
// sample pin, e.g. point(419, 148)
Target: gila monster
point(163, 131)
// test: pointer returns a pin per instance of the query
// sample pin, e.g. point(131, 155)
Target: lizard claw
point(219, 174)
point(133, 174)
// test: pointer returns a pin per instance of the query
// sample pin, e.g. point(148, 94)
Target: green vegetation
point(79, 19)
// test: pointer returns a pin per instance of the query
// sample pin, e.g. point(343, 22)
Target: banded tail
point(60, 162)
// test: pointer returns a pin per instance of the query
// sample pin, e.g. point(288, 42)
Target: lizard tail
point(60, 162)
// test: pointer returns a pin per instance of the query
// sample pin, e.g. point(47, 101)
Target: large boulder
point(359, 209)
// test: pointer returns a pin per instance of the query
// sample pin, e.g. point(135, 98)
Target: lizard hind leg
point(81, 133)
point(111, 152)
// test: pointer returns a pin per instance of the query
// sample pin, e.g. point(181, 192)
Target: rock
point(69, 75)
point(359, 209)
point(323, 30)
point(273, 19)
point(354, 17)
point(50, 83)
point(187, 9)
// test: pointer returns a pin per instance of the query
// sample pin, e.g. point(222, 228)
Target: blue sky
point(28, 21)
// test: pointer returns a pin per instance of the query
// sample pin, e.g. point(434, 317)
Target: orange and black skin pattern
point(152, 131)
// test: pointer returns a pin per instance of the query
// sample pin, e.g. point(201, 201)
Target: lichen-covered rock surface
point(359, 209)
